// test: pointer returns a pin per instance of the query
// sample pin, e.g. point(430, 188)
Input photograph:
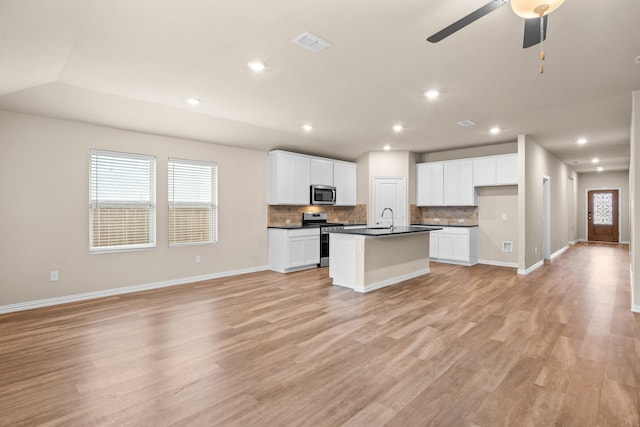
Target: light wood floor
point(462, 346)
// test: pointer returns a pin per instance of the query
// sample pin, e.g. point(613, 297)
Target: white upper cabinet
point(289, 179)
point(458, 183)
point(321, 172)
point(507, 169)
point(291, 176)
point(484, 171)
point(345, 181)
point(430, 184)
point(495, 170)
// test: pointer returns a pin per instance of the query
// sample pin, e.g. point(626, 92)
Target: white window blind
point(122, 201)
point(193, 202)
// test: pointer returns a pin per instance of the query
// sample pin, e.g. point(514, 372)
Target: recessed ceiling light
point(397, 128)
point(387, 147)
point(307, 128)
point(432, 94)
point(466, 123)
point(595, 160)
point(582, 141)
point(599, 168)
point(256, 66)
point(193, 101)
point(495, 130)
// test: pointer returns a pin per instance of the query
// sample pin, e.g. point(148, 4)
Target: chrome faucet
point(382, 215)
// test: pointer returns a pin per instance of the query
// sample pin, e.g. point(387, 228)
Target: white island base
point(366, 263)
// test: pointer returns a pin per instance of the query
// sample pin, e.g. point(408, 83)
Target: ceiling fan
point(535, 13)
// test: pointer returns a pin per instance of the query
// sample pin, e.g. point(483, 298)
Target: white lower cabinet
point(293, 249)
point(457, 245)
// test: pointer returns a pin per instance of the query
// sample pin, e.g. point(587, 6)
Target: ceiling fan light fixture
point(534, 8)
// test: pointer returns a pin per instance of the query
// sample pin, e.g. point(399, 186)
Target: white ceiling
point(133, 63)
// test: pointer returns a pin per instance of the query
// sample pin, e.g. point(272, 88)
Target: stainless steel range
point(319, 219)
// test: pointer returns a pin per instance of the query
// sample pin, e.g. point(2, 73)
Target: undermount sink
point(379, 228)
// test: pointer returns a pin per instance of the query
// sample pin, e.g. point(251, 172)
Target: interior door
point(602, 215)
point(389, 193)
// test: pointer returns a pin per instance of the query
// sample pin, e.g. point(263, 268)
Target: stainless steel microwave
point(323, 195)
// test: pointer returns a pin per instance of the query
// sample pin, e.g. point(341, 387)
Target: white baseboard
point(498, 263)
point(28, 305)
point(392, 281)
point(622, 242)
point(559, 252)
point(541, 262)
point(530, 269)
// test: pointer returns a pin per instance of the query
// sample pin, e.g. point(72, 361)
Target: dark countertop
point(294, 227)
point(297, 226)
point(380, 232)
point(445, 225)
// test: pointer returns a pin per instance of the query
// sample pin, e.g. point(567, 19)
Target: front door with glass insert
point(602, 215)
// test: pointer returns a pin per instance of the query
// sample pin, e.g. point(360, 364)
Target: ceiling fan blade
point(532, 31)
point(461, 23)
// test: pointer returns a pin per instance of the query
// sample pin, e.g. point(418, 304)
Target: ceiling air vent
point(311, 42)
point(466, 123)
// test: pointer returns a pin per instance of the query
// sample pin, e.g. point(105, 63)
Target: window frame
point(212, 205)
point(150, 205)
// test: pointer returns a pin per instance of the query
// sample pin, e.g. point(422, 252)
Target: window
point(122, 201)
point(193, 202)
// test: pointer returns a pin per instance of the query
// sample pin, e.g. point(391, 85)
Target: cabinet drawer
point(455, 230)
point(303, 232)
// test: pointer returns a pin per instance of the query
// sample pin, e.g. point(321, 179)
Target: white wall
point(493, 230)
point(535, 163)
point(600, 181)
point(466, 153)
point(44, 170)
point(390, 164)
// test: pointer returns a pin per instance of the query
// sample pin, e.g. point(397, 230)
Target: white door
point(389, 195)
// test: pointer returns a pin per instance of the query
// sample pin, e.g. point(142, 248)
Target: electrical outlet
point(504, 216)
point(436, 219)
point(198, 259)
point(287, 221)
point(535, 251)
point(54, 276)
point(461, 220)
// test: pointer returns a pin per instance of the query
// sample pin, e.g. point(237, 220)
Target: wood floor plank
point(462, 346)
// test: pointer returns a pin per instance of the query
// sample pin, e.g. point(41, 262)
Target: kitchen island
point(367, 259)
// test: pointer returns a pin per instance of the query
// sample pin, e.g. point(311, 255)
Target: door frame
point(371, 220)
point(586, 210)
point(546, 218)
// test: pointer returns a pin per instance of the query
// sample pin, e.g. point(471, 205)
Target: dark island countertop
point(294, 226)
point(386, 231)
point(444, 225)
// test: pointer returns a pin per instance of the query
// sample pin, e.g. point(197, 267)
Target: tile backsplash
point(278, 214)
point(444, 215)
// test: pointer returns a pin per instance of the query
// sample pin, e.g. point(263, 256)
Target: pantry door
point(389, 192)
point(602, 215)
